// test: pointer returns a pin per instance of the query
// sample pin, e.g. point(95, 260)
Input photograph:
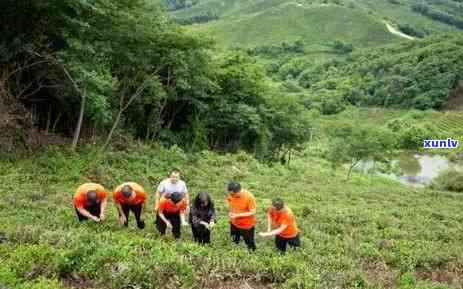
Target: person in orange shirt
point(170, 213)
point(282, 219)
point(90, 202)
point(130, 197)
point(242, 214)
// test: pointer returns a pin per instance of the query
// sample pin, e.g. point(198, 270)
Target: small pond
point(411, 169)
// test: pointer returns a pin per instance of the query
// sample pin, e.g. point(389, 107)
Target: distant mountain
point(251, 23)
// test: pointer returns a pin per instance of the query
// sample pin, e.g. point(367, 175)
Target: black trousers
point(282, 243)
point(174, 219)
point(93, 210)
point(201, 234)
point(247, 234)
point(136, 209)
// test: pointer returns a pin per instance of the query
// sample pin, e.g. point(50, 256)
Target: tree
point(350, 144)
point(289, 127)
point(52, 60)
point(234, 117)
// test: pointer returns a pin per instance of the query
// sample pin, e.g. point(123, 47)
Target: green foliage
point(296, 47)
point(342, 47)
point(451, 180)
point(178, 4)
point(135, 67)
point(289, 127)
point(413, 31)
point(410, 131)
point(419, 75)
point(292, 69)
point(438, 15)
point(351, 144)
point(202, 18)
point(234, 117)
point(331, 102)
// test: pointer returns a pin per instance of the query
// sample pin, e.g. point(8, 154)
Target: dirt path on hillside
point(395, 31)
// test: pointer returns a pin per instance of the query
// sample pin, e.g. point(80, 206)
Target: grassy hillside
point(289, 22)
point(400, 12)
point(263, 22)
point(365, 233)
point(437, 125)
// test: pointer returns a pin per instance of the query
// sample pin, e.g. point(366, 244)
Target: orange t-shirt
point(140, 195)
point(167, 206)
point(243, 203)
point(80, 197)
point(284, 217)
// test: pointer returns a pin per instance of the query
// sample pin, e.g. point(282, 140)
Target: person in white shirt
point(170, 185)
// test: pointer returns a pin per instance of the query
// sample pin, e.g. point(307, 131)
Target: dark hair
point(92, 196)
point(127, 191)
point(176, 197)
point(234, 186)
point(174, 170)
point(200, 198)
point(278, 203)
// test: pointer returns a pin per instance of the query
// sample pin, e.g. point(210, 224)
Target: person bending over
point(130, 197)
point(171, 214)
point(90, 202)
point(281, 219)
point(202, 218)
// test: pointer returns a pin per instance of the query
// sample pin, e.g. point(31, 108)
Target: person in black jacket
point(202, 218)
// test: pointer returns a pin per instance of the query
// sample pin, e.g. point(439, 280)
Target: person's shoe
point(141, 225)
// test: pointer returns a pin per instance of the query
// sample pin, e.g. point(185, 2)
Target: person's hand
point(103, 217)
point(184, 223)
point(169, 225)
point(122, 219)
point(96, 219)
point(211, 225)
point(233, 215)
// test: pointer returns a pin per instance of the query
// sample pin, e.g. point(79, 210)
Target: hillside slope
point(291, 21)
point(247, 23)
point(367, 233)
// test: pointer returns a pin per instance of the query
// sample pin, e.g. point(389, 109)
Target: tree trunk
point(47, 127)
point(113, 129)
point(123, 107)
point(75, 140)
point(56, 122)
point(94, 134)
point(354, 163)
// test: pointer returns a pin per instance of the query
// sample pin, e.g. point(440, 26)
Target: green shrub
point(449, 180)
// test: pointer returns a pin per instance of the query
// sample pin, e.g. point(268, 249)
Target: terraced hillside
point(436, 125)
point(451, 123)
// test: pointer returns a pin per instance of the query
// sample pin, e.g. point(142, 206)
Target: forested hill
point(104, 68)
point(98, 69)
point(335, 53)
